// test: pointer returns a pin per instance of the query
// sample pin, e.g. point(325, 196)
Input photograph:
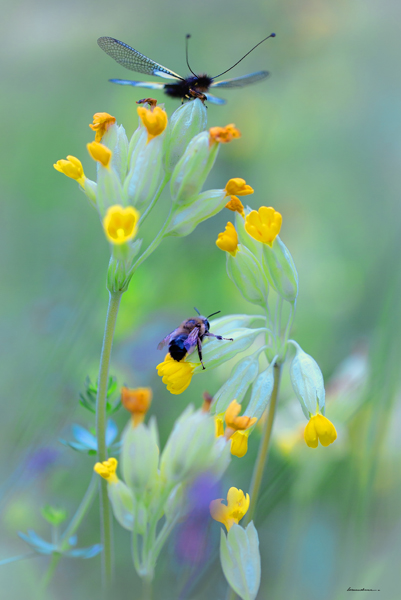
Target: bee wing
point(241, 81)
point(192, 339)
point(213, 100)
point(132, 59)
point(167, 339)
point(151, 85)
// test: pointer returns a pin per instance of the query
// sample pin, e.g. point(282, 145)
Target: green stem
point(81, 511)
point(152, 247)
point(101, 422)
point(49, 573)
point(263, 448)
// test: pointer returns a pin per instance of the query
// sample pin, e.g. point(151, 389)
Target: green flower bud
point(175, 505)
point(281, 270)
point(140, 460)
point(245, 271)
point(116, 140)
point(137, 143)
point(261, 393)
point(120, 271)
point(236, 386)
point(240, 560)
point(90, 191)
point(122, 502)
point(184, 124)
point(185, 218)
point(216, 352)
point(307, 382)
point(192, 169)
point(145, 174)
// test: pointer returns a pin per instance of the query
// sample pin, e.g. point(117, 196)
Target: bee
point(193, 86)
point(189, 334)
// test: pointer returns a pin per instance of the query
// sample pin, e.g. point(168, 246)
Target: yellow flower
point(100, 153)
point(101, 122)
point(72, 167)
point(223, 135)
point(120, 224)
point(233, 421)
point(237, 428)
point(219, 426)
point(137, 402)
point(319, 429)
point(238, 187)
point(228, 240)
point(107, 470)
point(237, 506)
point(263, 225)
point(236, 205)
point(155, 120)
point(239, 443)
point(176, 375)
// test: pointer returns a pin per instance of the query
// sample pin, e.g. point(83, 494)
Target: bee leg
point(219, 337)
point(199, 344)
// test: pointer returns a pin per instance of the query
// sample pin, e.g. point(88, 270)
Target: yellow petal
point(228, 240)
point(120, 224)
point(100, 153)
point(325, 430)
point(238, 187)
point(239, 444)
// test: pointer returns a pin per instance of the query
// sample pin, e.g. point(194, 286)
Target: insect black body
point(189, 334)
point(184, 88)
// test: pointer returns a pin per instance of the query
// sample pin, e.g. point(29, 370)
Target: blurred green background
point(321, 143)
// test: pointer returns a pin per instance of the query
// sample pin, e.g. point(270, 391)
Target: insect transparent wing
point(191, 340)
point(241, 81)
point(167, 339)
point(132, 59)
point(213, 100)
point(145, 84)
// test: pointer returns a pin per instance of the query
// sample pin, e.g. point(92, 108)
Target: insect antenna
point(197, 310)
point(272, 35)
point(212, 315)
point(186, 55)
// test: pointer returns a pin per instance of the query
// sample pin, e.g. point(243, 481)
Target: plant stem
point(82, 509)
point(263, 448)
point(101, 421)
point(49, 573)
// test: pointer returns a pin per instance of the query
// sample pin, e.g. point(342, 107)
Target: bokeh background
point(321, 143)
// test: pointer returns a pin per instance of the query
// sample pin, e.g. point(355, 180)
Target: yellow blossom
point(72, 167)
point(239, 443)
point(237, 506)
point(120, 224)
point(101, 122)
point(107, 470)
point(236, 205)
point(223, 135)
point(233, 421)
point(238, 187)
point(237, 428)
point(228, 240)
point(155, 120)
point(263, 225)
point(319, 429)
point(137, 402)
point(219, 426)
point(176, 375)
point(100, 153)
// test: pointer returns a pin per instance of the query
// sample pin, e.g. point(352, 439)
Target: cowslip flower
point(176, 375)
point(236, 205)
point(137, 401)
point(154, 119)
point(237, 428)
point(120, 224)
point(237, 507)
point(228, 240)
point(223, 135)
point(107, 470)
point(72, 167)
point(238, 187)
point(319, 429)
point(100, 153)
point(101, 122)
point(264, 225)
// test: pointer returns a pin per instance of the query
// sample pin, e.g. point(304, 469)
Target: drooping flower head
point(237, 506)
point(176, 375)
point(228, 240)
point(101, 122)
point(264, 225)
point(319, 429)
point(120, 224)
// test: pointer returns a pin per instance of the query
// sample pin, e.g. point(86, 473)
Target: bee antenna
point(212, 315)
point(272, 35)
point(197, 310)
point(186, 52)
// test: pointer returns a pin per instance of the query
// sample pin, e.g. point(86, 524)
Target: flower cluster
point(132, 173)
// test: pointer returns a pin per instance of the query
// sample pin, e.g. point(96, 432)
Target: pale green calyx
point(307, 382)
point(140, 461)
point(116, 140)
point(281, 270)
point(236, 386)
point(122, 501)
point(240, 560)
point(261, 393)
point(185, 123)
point(246, 273)
point(185, 218)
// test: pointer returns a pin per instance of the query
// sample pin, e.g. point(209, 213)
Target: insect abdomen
point(176, 347)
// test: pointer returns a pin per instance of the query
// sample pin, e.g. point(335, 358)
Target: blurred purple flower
point(41, 460)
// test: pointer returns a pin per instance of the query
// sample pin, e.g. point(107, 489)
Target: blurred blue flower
point(42, 547)
point(86, 441)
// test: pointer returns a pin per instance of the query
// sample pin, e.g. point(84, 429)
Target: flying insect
point(184, 87)
point(189, 334)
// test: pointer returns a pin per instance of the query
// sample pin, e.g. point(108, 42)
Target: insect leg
point(199, 344)
point(219, 337)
